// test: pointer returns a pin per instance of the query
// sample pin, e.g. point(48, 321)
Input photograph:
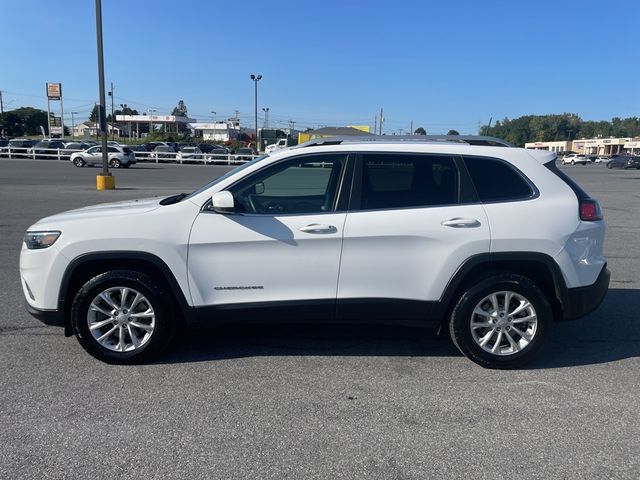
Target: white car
point(189, 153)
point(574, 158)
point(492, 244)
point(118, 157)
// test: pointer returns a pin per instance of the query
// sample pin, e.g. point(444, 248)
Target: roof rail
point(466, 139)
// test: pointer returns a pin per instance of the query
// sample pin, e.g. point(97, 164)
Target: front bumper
point(48, 317)
point(581, 301)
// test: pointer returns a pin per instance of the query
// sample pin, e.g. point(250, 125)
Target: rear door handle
point(318, 228)
point(461, 223)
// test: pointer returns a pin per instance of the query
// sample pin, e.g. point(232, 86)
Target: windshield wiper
point(173, 199)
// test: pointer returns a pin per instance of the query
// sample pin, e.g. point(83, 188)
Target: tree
point(95, 114)
point(180, 110)
point(420, 131)
point(453, 132)
point(26, 120)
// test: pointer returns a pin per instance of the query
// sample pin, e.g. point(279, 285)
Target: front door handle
point(318, 228)
point(461, 223)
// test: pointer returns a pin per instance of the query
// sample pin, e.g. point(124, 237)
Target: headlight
point(36, 240)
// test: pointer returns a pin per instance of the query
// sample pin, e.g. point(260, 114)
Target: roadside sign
point(54, 91)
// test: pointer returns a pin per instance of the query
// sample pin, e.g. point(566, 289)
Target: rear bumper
point(584, 300)
point(48, 317)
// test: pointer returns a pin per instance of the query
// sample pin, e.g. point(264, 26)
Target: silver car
point(119, 157)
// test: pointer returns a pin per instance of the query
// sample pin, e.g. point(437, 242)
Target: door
point(93, 156)
point(411, 224)
point(281, 248)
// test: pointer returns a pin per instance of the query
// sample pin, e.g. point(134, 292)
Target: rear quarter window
point(497, 181)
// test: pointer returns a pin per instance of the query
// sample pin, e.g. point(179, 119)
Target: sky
point(436, 65)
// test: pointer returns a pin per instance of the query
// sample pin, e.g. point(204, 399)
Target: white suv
point(490, 242)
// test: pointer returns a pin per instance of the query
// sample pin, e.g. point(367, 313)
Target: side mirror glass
point(222, 202)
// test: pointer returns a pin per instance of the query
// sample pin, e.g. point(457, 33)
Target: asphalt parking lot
point(314, 402)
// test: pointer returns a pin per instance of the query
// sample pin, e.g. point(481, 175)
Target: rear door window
point(391, 180)
point(497, 181)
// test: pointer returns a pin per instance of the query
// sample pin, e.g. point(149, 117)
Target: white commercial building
point(216, 131)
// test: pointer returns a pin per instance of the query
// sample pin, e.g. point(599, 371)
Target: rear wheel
point(122, 317)
point(573, 162)
point(115, 163)
point(501, 322)
point(79, 162)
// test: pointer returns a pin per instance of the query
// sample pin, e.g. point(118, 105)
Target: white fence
point(156, 157)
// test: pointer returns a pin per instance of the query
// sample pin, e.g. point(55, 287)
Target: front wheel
point(122, 317)
point(78, 162)
point(501, 322)
point(573, 162)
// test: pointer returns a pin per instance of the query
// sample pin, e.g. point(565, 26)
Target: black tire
point(609, 166)
point(115, 163)
point(461, 317)
point(163, 307)
point(78, 162)
point(573, 162)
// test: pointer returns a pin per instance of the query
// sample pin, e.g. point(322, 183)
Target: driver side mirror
point(222, 202)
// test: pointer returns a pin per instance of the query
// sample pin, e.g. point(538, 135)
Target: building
point(600, 146)
point(561, 146)
point(130, 124)
point(90, 129)
point(351, 131)
point(591, 146)
point(217, 131)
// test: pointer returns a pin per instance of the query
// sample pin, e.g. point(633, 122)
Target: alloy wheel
point(504, 323)
point(121, 319)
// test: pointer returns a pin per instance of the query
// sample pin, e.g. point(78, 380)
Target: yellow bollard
point(105, 182)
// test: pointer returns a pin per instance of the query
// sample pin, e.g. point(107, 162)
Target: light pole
point(266, 116)
point(73, 125)
point(256, 79)
point(213, 118)
point(104, 181)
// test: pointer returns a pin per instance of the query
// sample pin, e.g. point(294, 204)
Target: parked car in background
point(574, 158)
point(139, 151)
point(206, 147)
point(602, 159)
point(164, 152)
point(189, 153)
point(47, 149)
point(17, 148)
point(73, 147)
point(624, 161)
point(219, 154)
point(119, 157)
point(244, 154)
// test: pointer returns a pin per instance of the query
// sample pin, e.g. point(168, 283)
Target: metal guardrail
point(155, 157)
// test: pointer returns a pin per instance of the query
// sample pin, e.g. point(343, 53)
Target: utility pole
point(375, 124)
point(292, 124)
point(213, 118)
point(73, 124)
point(381, 120)
point(411, 132)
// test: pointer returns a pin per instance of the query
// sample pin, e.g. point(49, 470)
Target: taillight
point(590, 210)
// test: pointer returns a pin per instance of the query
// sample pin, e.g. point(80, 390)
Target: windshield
point(225, 176)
